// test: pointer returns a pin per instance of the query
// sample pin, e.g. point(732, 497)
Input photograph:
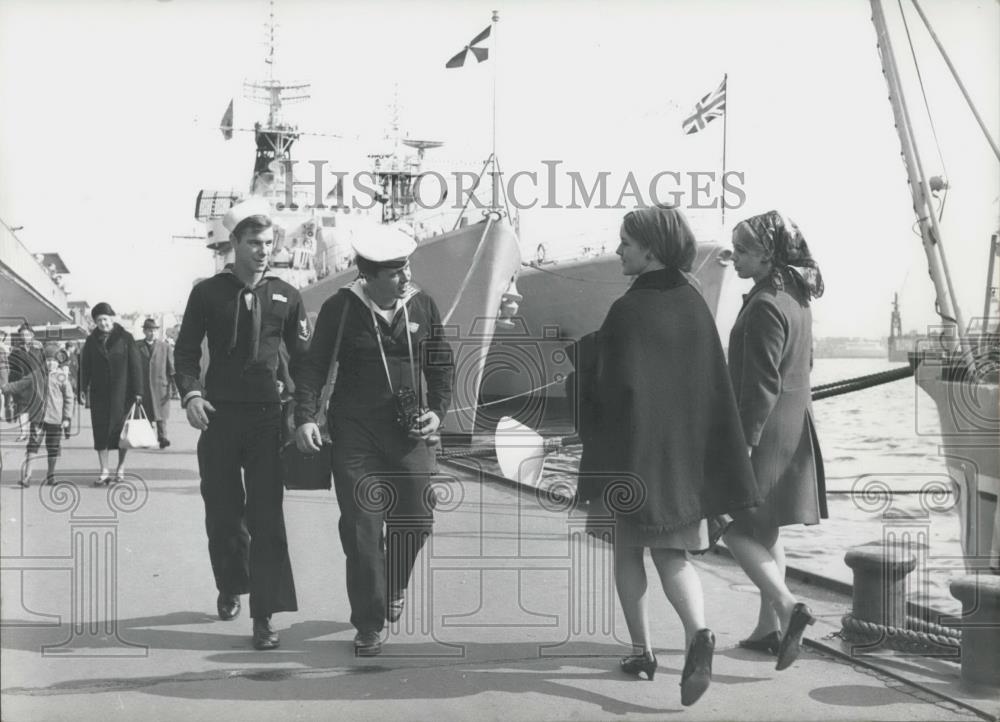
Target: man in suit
point(157, 371)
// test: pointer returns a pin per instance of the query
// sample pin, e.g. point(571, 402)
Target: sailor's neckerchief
point(255, 313)
point(357, 287)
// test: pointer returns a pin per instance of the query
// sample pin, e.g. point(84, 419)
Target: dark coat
point(770, 357)
point(111, 375)
point(663, 411)
point(157, 367)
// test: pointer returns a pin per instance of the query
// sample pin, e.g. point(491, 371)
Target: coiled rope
point(920, 636)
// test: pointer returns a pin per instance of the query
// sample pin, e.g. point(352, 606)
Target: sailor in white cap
point(245, 313)
point(239, 212)
point(388, 338)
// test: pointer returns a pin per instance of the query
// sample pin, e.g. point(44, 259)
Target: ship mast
point(274, 140)
point(930, 230)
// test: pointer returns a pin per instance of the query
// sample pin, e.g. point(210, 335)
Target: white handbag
point(138, 431)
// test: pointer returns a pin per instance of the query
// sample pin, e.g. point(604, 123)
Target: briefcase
point(309, 472)
point(299, 470)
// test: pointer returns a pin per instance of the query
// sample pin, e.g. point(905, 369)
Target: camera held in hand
point(409, 411)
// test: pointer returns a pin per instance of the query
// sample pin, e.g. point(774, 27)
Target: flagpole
point(725, 120)
point(493, 155)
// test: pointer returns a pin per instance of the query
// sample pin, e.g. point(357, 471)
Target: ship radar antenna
point(275, 139)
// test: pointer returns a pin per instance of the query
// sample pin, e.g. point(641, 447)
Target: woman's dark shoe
point(791, 643)
point(103, 480)
point(697, 673)
point(767, 644)
point(637, 663)
point(264, 637)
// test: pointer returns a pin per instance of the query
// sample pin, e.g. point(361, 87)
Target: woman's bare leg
point(766, 572)
point(682, 585)
point(630, 580)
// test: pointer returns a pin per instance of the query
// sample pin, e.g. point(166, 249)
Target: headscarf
point(665, 232)
point(776, 236)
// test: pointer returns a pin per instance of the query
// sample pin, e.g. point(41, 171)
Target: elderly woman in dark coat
point(110, 374)
point(663, 445)
point(770, 356)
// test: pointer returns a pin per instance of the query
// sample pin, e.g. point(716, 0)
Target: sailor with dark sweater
point(245, 313)
point(390, 344)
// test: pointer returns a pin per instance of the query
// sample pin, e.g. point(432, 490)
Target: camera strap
point(381, 348)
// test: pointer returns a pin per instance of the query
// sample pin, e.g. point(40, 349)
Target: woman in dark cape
point(770, 356)
point(663, 446)
point(110, 374)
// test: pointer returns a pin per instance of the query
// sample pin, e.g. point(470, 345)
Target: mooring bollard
point(980, 597)
point(880, 583)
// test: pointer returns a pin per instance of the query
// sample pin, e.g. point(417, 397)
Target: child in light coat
point(47, 420)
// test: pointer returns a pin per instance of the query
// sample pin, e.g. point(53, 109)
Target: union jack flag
point(706, 110)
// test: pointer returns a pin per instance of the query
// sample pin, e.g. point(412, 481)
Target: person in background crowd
point(664, 443)
point(390, 340)
point(5, 403)
point(27, 361)
point(157, 364)
point(770, 357)
point(73, 364)
point(245, 313)
point(50, 418)
point(110, 374)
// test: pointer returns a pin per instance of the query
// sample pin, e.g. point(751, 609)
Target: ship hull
point(968, 407)
point(528, 363)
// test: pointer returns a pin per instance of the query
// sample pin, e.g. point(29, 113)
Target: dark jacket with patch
point(662, 415)
point(243, 340)
point(362, 389)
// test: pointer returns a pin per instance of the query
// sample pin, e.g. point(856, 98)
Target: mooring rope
point(822, 391)
point(860, 383)
point(919, 636)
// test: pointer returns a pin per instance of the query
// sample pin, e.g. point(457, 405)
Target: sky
point(112, 107)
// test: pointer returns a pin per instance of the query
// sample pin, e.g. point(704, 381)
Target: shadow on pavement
point(310, 666)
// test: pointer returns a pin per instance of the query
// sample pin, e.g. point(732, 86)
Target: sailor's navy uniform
point(243, 512)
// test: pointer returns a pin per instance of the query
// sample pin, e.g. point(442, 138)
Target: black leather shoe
point(768, 644)
point(636, 663)
point(791, 643)
point(368, 644)
point(697, 673)
point(228, 606)
point(164, 442)
point(264, 637)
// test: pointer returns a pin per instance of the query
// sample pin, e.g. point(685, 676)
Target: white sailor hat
point(383, 245)
point(252, 206)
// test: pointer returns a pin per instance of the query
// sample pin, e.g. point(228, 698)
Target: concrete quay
point(108, 613)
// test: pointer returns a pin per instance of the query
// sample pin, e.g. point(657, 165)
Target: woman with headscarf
point(770, 357)
point(663, 447)
point(110, 374)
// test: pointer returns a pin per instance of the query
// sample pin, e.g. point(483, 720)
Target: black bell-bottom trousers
point(382, 480)
point(242, 490)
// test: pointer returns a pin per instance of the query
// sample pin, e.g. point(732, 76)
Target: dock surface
point(108, 613)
